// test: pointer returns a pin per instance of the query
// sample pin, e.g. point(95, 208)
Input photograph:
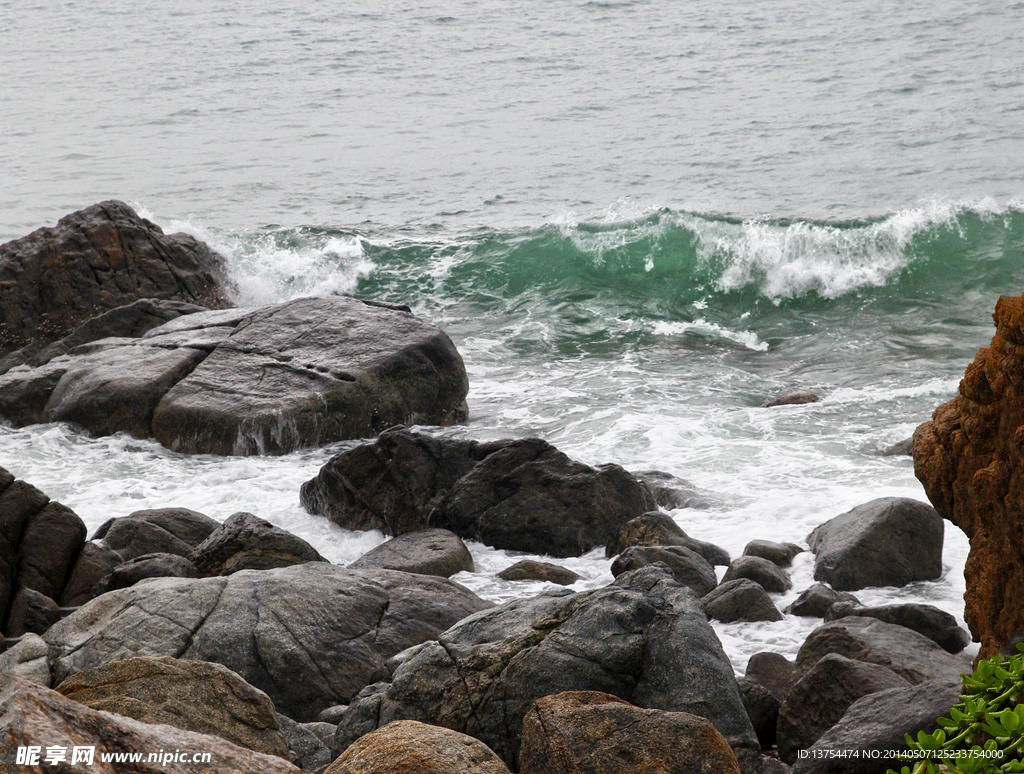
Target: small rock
point(814, 602)
point(792, 398)
point(763, 709)
point(147, 566)
point(740, 600)
point(529, 569)
point(332, 715)
point(772, 670)
point(132, 538)
point(31, 612)
point(94, 563)
point(781, 554)
point(587, 732)
point(891, 541)
point(768, 574)
point(428, 552)
point(659, 529)
point(933, 623)
point(411, 747)
point(29, 659)
point(306, 748)
point(687, 567)
point(188, 526)
point(904, 448)
point(247, 542)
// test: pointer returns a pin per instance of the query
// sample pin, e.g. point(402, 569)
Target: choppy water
point(636, 220)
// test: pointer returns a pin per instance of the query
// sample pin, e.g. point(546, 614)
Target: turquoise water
point(636, 220)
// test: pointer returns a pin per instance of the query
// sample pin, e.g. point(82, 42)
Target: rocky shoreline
point(239, 637)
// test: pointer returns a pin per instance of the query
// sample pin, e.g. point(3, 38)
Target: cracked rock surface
point(251, 381)
point(643, 639)
point(310, 636)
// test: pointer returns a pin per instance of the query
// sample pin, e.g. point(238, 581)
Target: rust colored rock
point(970, 459)
point(93, 260)
point(588, 732)
point(411, 747)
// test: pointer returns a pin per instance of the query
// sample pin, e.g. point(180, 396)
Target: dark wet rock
point(911, 655)
point(146, 566)
point(33, 715)
point(306, 749)
point(29, 659)
point(767, 574)
point(25, 391)
point(247, 542)
point(588, 732)
point(190, 695)
point(128, 321)
point(332, 715)
point(687, 567)
point(132, 538)
point(904, 448)
point(19, 501)
point(818, 699)
point(933, 623)
point(772, 670)
point(312, 371)
point(671, 492)
point(877, 723)
point(190, 527)
point(529, 569)
point(791, 398)
point(520, 495)
point(644, 637)
point(740, 600)
point(94, 563)
point(94, 260)
point(891, 541)
point(762, 709)
point(410, 747)
point(310, 636)
point(659, 529)
point(781, 554)
point(815, 602)
point(429, 552)
point(31, 612)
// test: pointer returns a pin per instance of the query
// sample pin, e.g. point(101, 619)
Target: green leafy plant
point(984, 733)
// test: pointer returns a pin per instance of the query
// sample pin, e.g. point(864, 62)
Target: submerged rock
point(791, 398)
point(891, 541)
point(528, 569)
point(521, 495)
point(105, 256)
point(970, 461)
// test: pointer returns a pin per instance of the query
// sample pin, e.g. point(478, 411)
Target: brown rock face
point(93, 260)
point(588, 732)
point(410, 747)
point(970, 459)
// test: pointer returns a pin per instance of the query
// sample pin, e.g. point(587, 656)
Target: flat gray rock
point(428, 551)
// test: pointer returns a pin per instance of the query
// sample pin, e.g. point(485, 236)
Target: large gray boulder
point(252, 381)
point(878, 723)
point(891, 541)
point(933, 623)
point(818, 700)
point(105, 256)
point(909, 654)
point(310, 636)
point(644, 637)
point(521, 495)
point(429, 551)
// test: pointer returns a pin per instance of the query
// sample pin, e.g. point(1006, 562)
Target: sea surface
point(637, 221)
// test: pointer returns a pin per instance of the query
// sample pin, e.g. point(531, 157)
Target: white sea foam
point(702, 327)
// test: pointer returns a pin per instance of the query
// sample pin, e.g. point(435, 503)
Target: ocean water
point(636, 220)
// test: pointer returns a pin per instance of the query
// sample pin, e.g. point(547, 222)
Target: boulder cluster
point(171, 629)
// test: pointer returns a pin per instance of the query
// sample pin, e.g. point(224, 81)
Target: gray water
point(636, 220)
